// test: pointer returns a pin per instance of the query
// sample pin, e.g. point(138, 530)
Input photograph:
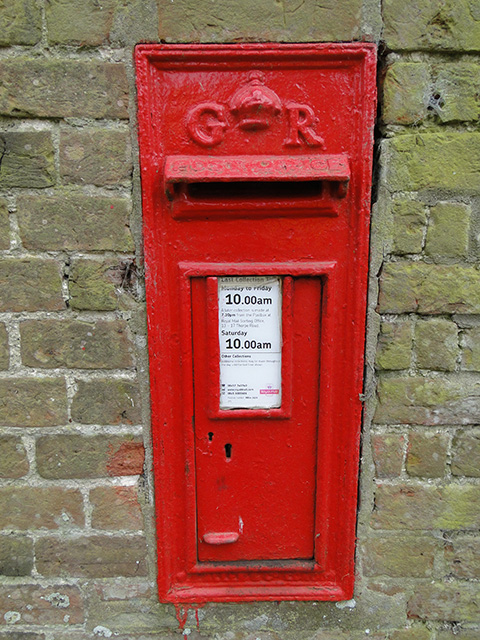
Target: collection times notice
point(249, 323)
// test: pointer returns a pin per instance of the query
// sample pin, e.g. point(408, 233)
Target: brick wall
point(76, 533)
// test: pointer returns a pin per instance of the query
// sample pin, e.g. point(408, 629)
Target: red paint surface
point(256, 159)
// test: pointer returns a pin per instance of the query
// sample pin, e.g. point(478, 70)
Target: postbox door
point(256, 476)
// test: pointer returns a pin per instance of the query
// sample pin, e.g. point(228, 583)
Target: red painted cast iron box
point(256, 176)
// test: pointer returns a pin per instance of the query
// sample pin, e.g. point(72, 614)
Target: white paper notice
point(250, 334)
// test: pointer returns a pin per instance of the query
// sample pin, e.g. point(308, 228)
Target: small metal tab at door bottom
point(221, 537)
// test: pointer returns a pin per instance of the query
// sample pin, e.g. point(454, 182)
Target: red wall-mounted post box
point(256, 175)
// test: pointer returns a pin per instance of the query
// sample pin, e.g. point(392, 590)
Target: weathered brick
point(406, 91)
point(4, 226)
point(458, 634)
point(33, 402)
point(434, 160)
point(471, 349)
point(102, 286)
point(457, 87)
point(103, 631)
point(132, 23)
point(39, 508)
point(72, 343)
point(466, 454)
point(429, 288)
point(116, 508)
point(56, 88)
point(4, 349)
point(409, 219)
point(463, 557)
point(447, 234)
point(36, 605)
point(13, 457)
point(387, 449)
point(75, 456)
point(21, 635)
point(16, 556)
point(450, 601)
point(123, 590)
point(20, 22)
point(427, 507)
point(79, 22)
point(436, 344)
point(106, 402)
point(30, 284)
point(428, 401)
point(229, 20)
point(426, 454)
point(412, 633)
point(399, 557)
point(27, 159)
point(394, 349)
point(450, 25)
point(95, 156)
point(91, 557)
point(74, 221)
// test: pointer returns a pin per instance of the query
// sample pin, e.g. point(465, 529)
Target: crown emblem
point(255, 105)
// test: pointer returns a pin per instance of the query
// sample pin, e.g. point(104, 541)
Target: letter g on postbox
point(256, 175)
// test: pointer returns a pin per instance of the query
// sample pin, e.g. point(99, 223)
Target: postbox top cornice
point(229, 52)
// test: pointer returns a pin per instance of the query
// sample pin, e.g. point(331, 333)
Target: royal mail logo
point(253, 107)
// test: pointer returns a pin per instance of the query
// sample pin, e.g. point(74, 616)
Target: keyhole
point(228, 451)
point(210, 436)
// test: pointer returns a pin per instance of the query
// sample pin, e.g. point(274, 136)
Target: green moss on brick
point(27, 159)
point(16, 556)
point(471, 349)
point(92, 557)
point(79, 22)
point(4, 225)
point(406, 556)
point(436, 160)
point(102, 285)
point(406, 91)
point(466, 454)
point(436, 344)
point(33, 402)
point(415, 507)
point(75, 221)
point(77, 456)
point(4, 348)
point(448, 231)
point(30, 284)
point(387, 451)
point(457, 86)
point(106, 401)
point(40, 508)
point(13, 458)
point(407, 287)
point(394, 350)
point(54, 343)
point(228, 20)
point(429, 401)
point(426, 454)
point(409, 218)
point(95, 156)
point(450, 601)
point(451, 25)
point(20, 22)
point(58, 88)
